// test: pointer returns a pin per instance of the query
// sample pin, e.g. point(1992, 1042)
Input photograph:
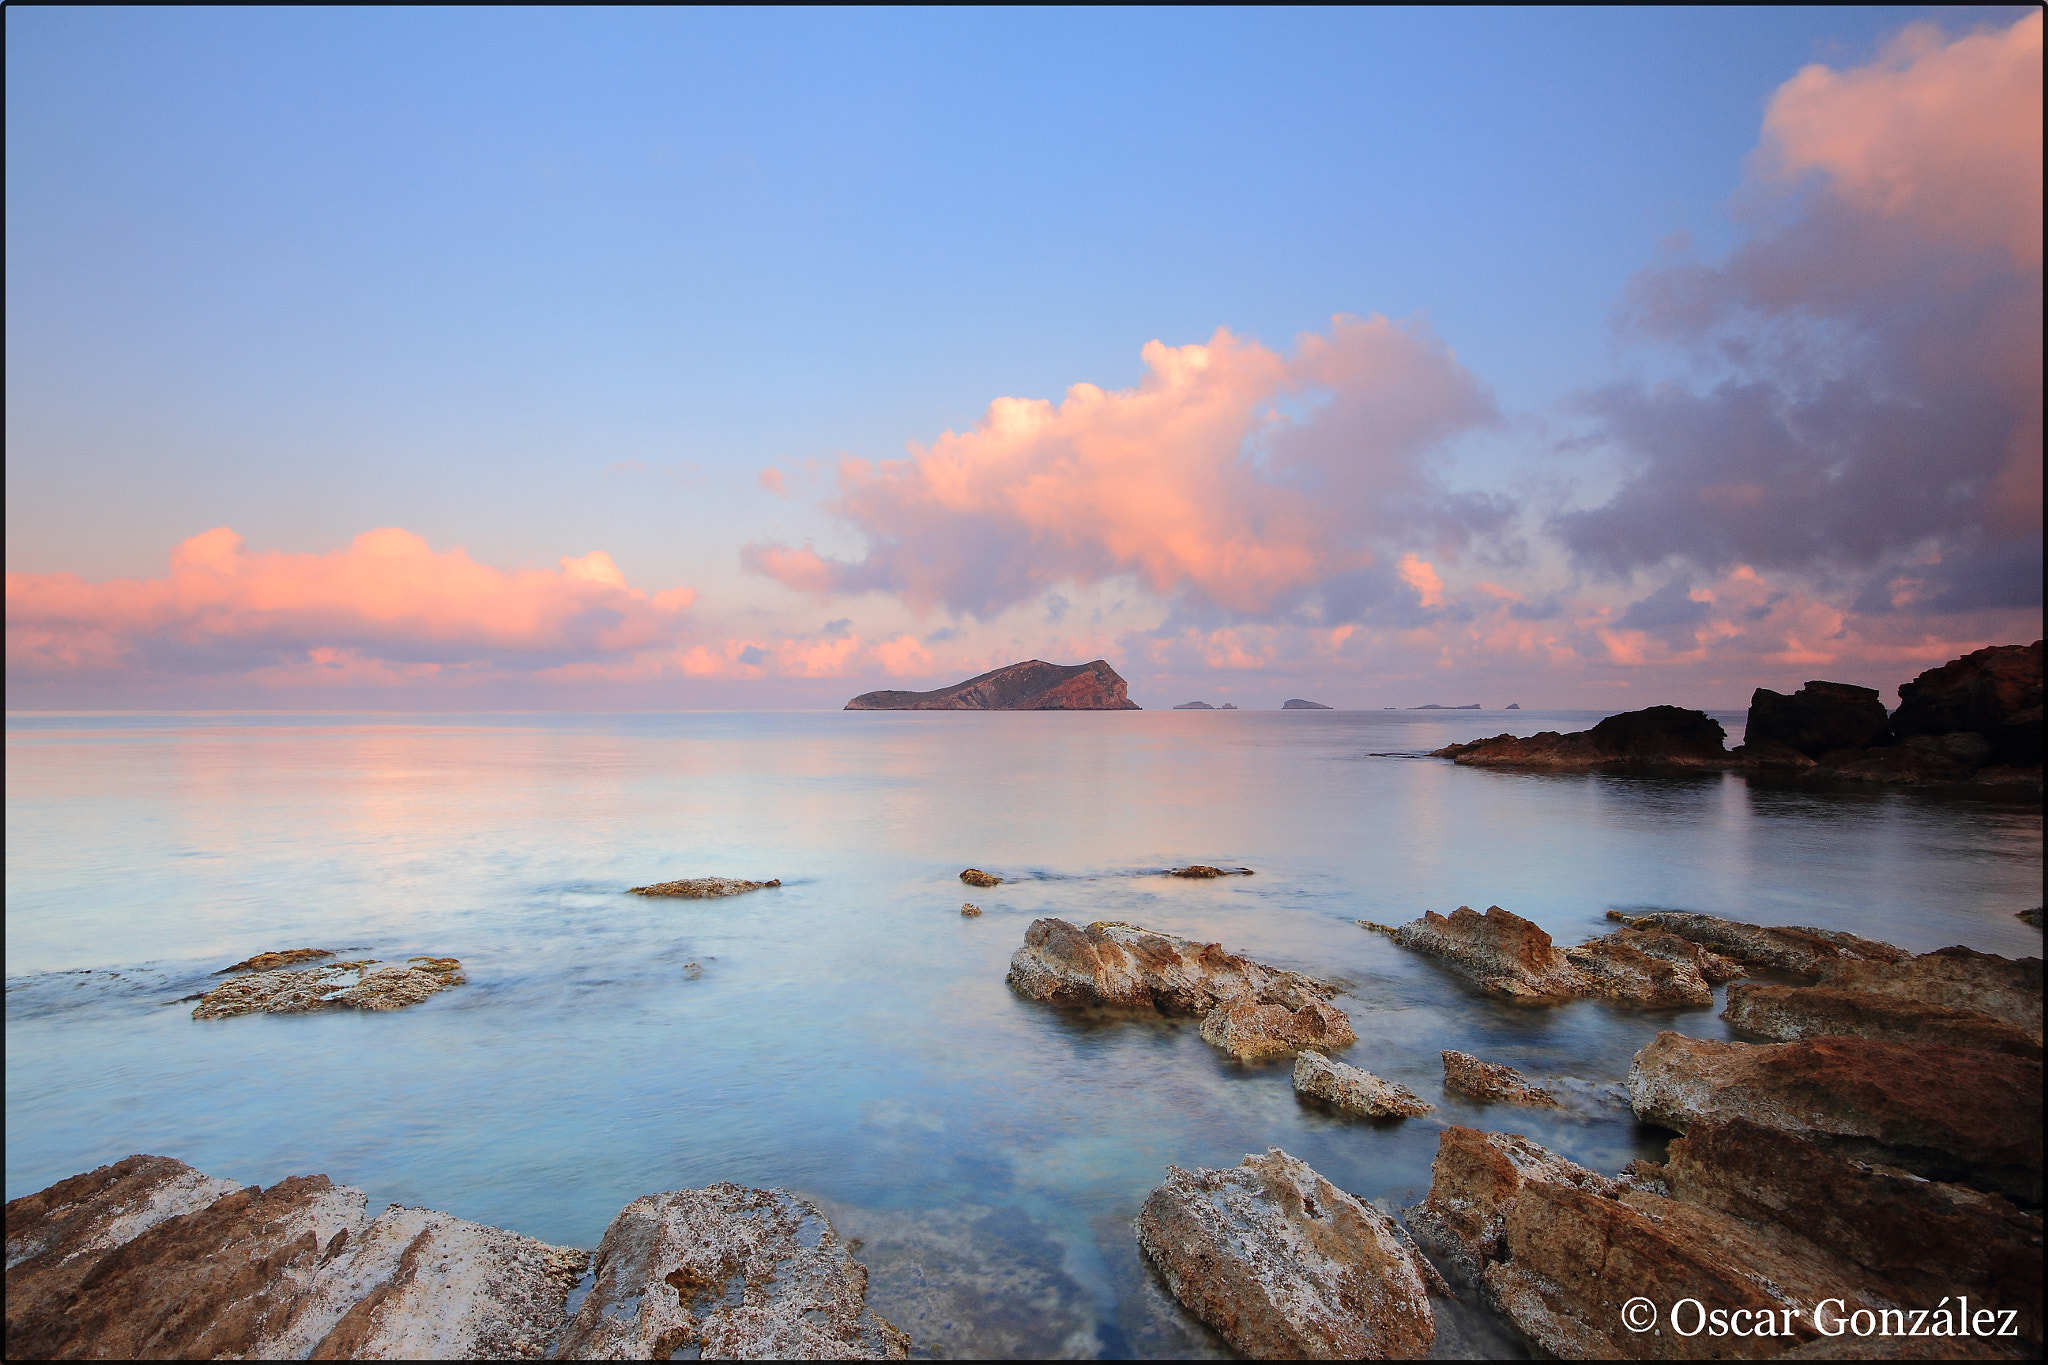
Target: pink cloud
point(1231, 472)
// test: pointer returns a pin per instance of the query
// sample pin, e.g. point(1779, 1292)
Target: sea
point(848, 1034)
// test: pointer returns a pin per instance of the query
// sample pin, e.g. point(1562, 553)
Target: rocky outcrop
point(270, 962)
point(364, 985)
point(1956, 978)
point(1204, 872)
point(1818, 718)
point(1493, 1083)
point(734, 1273)
point(1798, 951)
point(1194, 706)
point(970, 909)
point(1247, 1007)
point(974, 876)
point(1033, 685)
point(1228, 706)
point(1994, 693)
point(1946, 1113)
point(1476, 1179)
point(703, 888)
point(1284, 1265)
point(1786, 1013)
point(1659, 736)
point(1643, 970)
point(1248, 1030)
point(149, 1258)
point(1354, 1090)
point(1301, 704)
point(1500, 950)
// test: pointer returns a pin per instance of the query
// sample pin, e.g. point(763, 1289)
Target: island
point(1513, 706)
point(1433, 706)
point(1194, 706)
point(1297, 704)
point(1033, 685)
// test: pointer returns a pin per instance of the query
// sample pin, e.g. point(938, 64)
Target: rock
point(1194, 706)
point(2032, 916)
point(1110, 963)
point(365, 985)
point(735, 1273)
point(1228, 706)
point(974, 876)
point(270, 962)
point(1665, 736)
point(1952, 978)
point(1818, 717)
point(1799, 951)
point(1785, 1013)
point(60, 1233)
point(1284, 1265)
point(1711, 966)
point(1437, 706)
point(1621, 969)
point(970, 909)
point(1298, 704)
point(1248, 1030)
point(1964, 748)
point(1512, 706)
point(1946, 1113)
point(1893, 763)
point(1202, 871)
point(1354, 1090)
point(1493, 1083)
point(1995, 693)
point(1500, 950)
point(703, 888)
point(1033, 685)
point(1769, 754)
point(1475, 1181)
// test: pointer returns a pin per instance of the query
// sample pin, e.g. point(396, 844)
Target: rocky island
point(1033, 685)
point(1302, 704)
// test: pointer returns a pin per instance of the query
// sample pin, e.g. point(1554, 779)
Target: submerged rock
point(1493, 1083)
point(703, 888)
point(1799, 951)
point(1248, 1030)
point(1355, 1090)
point(1785, 1013)
point(1659, 735)
point(367, 985)
point(1284, 1265)
point(970, 909)
point(974, 876)
point(270, 962)
point(1946, 1113)
point(734, 1273)
point(1203, 872)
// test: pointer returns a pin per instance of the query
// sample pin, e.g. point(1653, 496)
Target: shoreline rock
point(1284, 1265)
point(703, 888)
point(1204, 872)
point(1249, 1031)
point(1785, 1014)
point(1033, 685)
point(1664, 736)
point(1511, 956)
point(1797, 951)
point(1354, 1090)
point(1492, 1083)
point(363, 985)
point(270, 962)
point(970, 910)
point(974, 876)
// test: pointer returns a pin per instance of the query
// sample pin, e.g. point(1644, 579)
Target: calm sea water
point(850, 1035)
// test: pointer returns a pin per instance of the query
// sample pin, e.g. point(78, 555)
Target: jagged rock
point(970, 909)
point(735, 1273)
point(1799, 951)
point(1110, 963)
point(1354, 1090)
point(1658, 735)
point(1995, 693)
point(1785, 1013)
point(1284, 1265)
point(1476, 1179)
point(1500, 950)
point(974, 876)
point(1624, 969)
point(1194, 706)
point(1712, 967)
point(270, 962)
point(1818, 717)
point(1033, 685)
point(367, 985)
point(1203, 872)
point(1492, 1082)
point(1947, 1113)
point(703, 888)
point(1248, 1030)
point(1955, 978)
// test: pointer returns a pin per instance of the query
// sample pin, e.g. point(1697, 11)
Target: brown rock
point(338, 985)
point(1248, 1030)
point(1818, 717)
point(270, 962)
point(1943, 1112)
point(970, 909)
point(735, 1273)
point(1492, 1082)
point(1621, 969)
point(1284, 1265)
point(1500, 950)
point(1202, 871)
point(1475, 1181)
point(974, 876)
point(1799, 951)
point(1783, 1013)
point(1353, 1090)
point(1110, 963)
point(1995, 692)
point(1665, 736)
point(702, 888)
point(1953, 978)
point(1033, 685)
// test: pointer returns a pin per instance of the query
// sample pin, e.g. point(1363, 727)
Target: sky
point(647, 360)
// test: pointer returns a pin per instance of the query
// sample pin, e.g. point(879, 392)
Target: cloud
point(389, 607)
point(1231, 475)
point(1878, 342)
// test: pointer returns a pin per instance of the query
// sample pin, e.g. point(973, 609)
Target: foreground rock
point(1511, 956)
point(1493, 1083)
point(1667, 736)
point(1946, 1113)
point(270, 962)
point(1741, 1218)
point(1952, 978)
point(1246, 1006)
point(1034, 685)
point(731, 1273)
point(703, 888)
point(1284, 1265)
point(1786, 1013)
point(149, 1258)
point(1798, 951)
point(364, 985)
point(1354, 1090)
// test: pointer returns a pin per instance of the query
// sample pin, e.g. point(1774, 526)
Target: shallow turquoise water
point(850, 1035)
